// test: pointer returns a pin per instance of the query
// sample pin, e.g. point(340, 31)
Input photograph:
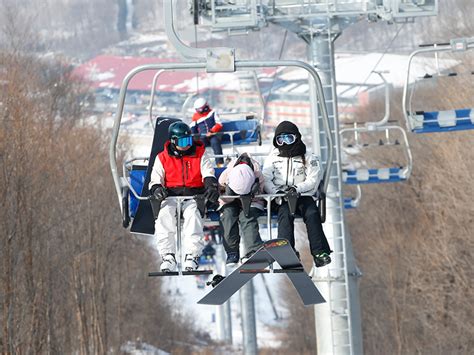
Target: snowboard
point(278, 250)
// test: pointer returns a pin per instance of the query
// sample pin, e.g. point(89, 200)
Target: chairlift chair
point(443, 120)
point(379, 174)
point(141, 216)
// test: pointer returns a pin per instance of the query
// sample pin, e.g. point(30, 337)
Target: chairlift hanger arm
point(384, 120)
point(239, 65)
point(152, 96)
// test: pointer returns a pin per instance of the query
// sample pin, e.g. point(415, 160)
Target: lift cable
point(377, 64)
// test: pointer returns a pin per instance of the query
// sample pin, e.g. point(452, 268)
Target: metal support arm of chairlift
point(455, 45)
point(152, 97)
point(201, 64)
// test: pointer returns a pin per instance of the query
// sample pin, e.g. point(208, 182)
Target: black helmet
point(179, 130)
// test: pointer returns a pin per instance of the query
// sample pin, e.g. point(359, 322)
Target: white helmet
point(200, 103)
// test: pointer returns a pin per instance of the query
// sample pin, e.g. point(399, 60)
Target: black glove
point(290, 189)
point(254, 190)
point(159, 192)
point(211, 194)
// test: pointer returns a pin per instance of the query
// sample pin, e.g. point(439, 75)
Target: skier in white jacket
point(289, 169)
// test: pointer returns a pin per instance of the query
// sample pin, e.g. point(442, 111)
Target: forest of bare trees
point(71, 280)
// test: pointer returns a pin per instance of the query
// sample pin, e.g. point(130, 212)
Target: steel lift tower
point(319, 23)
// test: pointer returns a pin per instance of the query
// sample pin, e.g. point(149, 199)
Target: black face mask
point(289, 150)
point(180, 153)
point(293, 150)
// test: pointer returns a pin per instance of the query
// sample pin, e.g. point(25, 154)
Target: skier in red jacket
point(182, 169)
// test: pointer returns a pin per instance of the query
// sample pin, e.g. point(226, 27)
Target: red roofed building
point(108, 72)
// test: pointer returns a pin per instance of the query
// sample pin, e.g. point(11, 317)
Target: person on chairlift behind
point(288, 169)
point(182, 169)
point(241, 177)
point(206, 123)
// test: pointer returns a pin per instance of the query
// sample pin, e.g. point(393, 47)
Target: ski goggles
point(183, 141)
point(203, 109)
point(285, 138)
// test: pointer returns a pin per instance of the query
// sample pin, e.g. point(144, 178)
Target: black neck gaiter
point(293, 150)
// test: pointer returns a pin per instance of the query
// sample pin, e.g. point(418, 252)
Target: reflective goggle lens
point(285, 138)
point(184, 141)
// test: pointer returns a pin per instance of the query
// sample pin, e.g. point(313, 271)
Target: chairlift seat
point(443, 121)
point(373, 176)
point(137, 179)
point(242, 132)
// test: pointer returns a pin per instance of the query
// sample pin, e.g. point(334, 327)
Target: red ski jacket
point(182, 171)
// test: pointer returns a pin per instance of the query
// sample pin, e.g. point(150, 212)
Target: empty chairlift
point(373, 136)
point(429, 120)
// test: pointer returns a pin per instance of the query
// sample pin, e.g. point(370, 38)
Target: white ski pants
point(191, 232)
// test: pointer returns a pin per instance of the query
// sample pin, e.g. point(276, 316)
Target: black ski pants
point(306, 208)
point(232, 216)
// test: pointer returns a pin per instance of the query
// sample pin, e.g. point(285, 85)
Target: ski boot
point(232, 258)
point(321, 259)
point(168, 264)
point(191, 263)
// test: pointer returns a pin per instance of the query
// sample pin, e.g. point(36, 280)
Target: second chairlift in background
point(429, 121)
point(385, 135)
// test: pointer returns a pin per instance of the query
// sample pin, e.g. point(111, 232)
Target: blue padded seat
point(443, 121)
point(373, 176)
point(247, 131)
point(137, 179)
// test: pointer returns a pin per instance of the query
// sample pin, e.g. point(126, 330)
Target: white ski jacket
point(282, 172)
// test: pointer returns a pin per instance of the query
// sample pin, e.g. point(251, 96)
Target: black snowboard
point(144, 221)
